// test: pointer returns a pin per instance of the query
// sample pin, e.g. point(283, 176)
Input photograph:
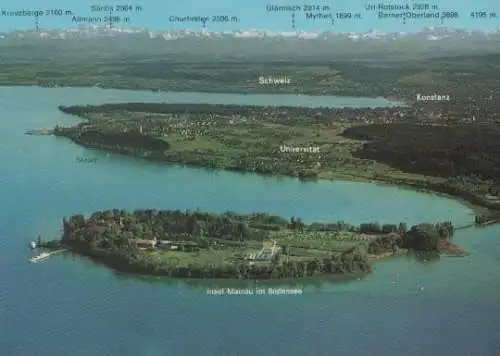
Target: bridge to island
point(478, 223)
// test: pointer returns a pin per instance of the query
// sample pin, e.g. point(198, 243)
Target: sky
point(251, 14)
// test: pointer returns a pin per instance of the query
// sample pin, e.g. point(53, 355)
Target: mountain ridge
point(197, 45)
point(427, 33)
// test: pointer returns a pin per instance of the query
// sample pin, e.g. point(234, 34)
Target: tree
point(402, 229)
point(300, 225)
point(422, 237)
point(275, 259)
point(191, 225)
point(388, 228)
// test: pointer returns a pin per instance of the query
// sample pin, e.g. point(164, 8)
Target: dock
point(40, 132)
point(45, 255)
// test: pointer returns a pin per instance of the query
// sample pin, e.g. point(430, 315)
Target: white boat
point(33, 244)
point(41, 257)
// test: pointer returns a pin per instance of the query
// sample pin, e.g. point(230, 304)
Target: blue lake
point(71, 306)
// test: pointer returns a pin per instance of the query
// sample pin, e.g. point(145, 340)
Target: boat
point(41, 257)
point(33, 244)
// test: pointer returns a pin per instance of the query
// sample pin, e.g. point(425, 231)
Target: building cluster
point(268, 251)
point(165, 244)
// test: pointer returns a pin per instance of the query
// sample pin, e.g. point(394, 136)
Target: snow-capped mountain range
point(255, 44)
point(429, 33)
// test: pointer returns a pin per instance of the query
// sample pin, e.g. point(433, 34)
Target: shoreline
point(428, 184)
point(474, 207)
point(132, 273)
point(334, 277)
point(256, 91)
point(392, 103)
point(332, 177)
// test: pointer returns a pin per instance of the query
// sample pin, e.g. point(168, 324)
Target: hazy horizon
point(251, 14)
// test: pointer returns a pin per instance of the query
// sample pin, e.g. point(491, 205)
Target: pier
point(478, 224)
point(45, 255)
point(40, 132)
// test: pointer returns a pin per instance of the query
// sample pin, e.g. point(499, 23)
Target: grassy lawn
point(302, 247)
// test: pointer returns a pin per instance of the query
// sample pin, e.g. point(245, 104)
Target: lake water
point(70, 306)
point(101, 96)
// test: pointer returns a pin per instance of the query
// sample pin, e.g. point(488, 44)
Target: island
point(195, 244)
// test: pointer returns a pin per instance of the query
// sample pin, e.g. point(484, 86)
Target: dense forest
point(135, 141)
point(203, 245)
point(446, 151)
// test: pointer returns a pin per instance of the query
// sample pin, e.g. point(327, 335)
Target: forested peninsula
point(241, 246)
